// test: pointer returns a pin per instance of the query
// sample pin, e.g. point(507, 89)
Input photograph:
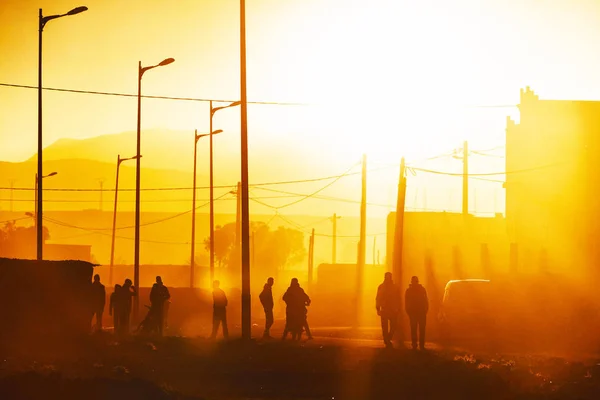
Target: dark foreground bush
point(33, 386)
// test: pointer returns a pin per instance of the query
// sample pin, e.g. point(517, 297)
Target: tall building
point(552, 202)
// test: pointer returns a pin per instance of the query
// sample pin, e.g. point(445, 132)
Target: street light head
point(166, 62)
point(77, 10)
point(217, 131)
point(52, 174)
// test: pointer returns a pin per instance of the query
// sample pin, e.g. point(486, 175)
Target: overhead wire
point(14, 85)
point(313, 193)
point(148, 96)
point(155, 221)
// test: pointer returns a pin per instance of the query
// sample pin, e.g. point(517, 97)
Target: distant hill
point(167, 162)
point(174, 150)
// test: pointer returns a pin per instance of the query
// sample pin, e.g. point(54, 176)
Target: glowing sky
point(387, 77)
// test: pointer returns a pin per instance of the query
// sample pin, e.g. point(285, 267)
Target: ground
point(324, 368)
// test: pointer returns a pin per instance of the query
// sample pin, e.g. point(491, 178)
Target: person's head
point(127, 283)
point(414, 280)
point(117, 287)
point(159, 280)
point(96, 278)
point(270, 281)
point(216, 284)
point(294, 282)
point(387, 277)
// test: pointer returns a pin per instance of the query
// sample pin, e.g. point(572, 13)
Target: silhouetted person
point(125, 301)
point(159, 295)
point(296, 301)
point(219, 311)
point(266, 299)
point(98, 301)
point(306, 327)
point(387, 304)
point(113, 307)
point(416, 305)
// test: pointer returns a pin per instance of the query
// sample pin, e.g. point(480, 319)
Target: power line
point(67, 225)
point(330, 198)
point(149, 97)
point(313, 193)
point(14, 220)
point(290, 182)
point(142, 201)
point(206, 100)
point(158, 220)
point(485, 174)
point(300, 228)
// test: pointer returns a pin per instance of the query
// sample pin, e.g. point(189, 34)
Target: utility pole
point(193, 245)
point(238, 224)
point(311, 258)
point(238, 218)
point(374, 250)
point(398, 242)
point(465, 188)
point(252, 235)
point(362, 247)
point(246, 299)
point(334, 238)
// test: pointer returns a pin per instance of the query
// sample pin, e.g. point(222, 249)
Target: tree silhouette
point(19, 241)
point(271, 250)
point(224, 241)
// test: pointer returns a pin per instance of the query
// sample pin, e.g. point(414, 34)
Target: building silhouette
point(551, 182)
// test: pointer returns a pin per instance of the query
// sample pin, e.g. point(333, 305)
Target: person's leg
point(125, 323)
point(307, 329)
point(225, 329)
point(413, 330)
point(393, 324)
point(159, 320)
point(268, 322)
point(99, 320)
point(422, 325)
point(215, 324)
point(384, 329)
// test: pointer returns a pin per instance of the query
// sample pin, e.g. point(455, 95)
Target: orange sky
point(387, 77)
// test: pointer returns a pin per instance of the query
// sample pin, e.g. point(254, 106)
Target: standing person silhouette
point(115, 306)
point(159, 295)
point(126, 294)
point(219, 311)
point(98, 301)
point(295, 313)
point(416, 306)
point(387, 304)
point(266, 299)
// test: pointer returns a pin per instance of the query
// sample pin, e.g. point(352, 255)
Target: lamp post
point(38, 222)
point(136, 262)
point(114, 227)
point(212, 203)
point(192, 262)
point(42, 22)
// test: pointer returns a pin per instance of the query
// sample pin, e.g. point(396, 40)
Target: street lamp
point(192, 262)
point(112, 246)
point(211, 195)
point(42, 22)
point(136, 273)
point(38, 184)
